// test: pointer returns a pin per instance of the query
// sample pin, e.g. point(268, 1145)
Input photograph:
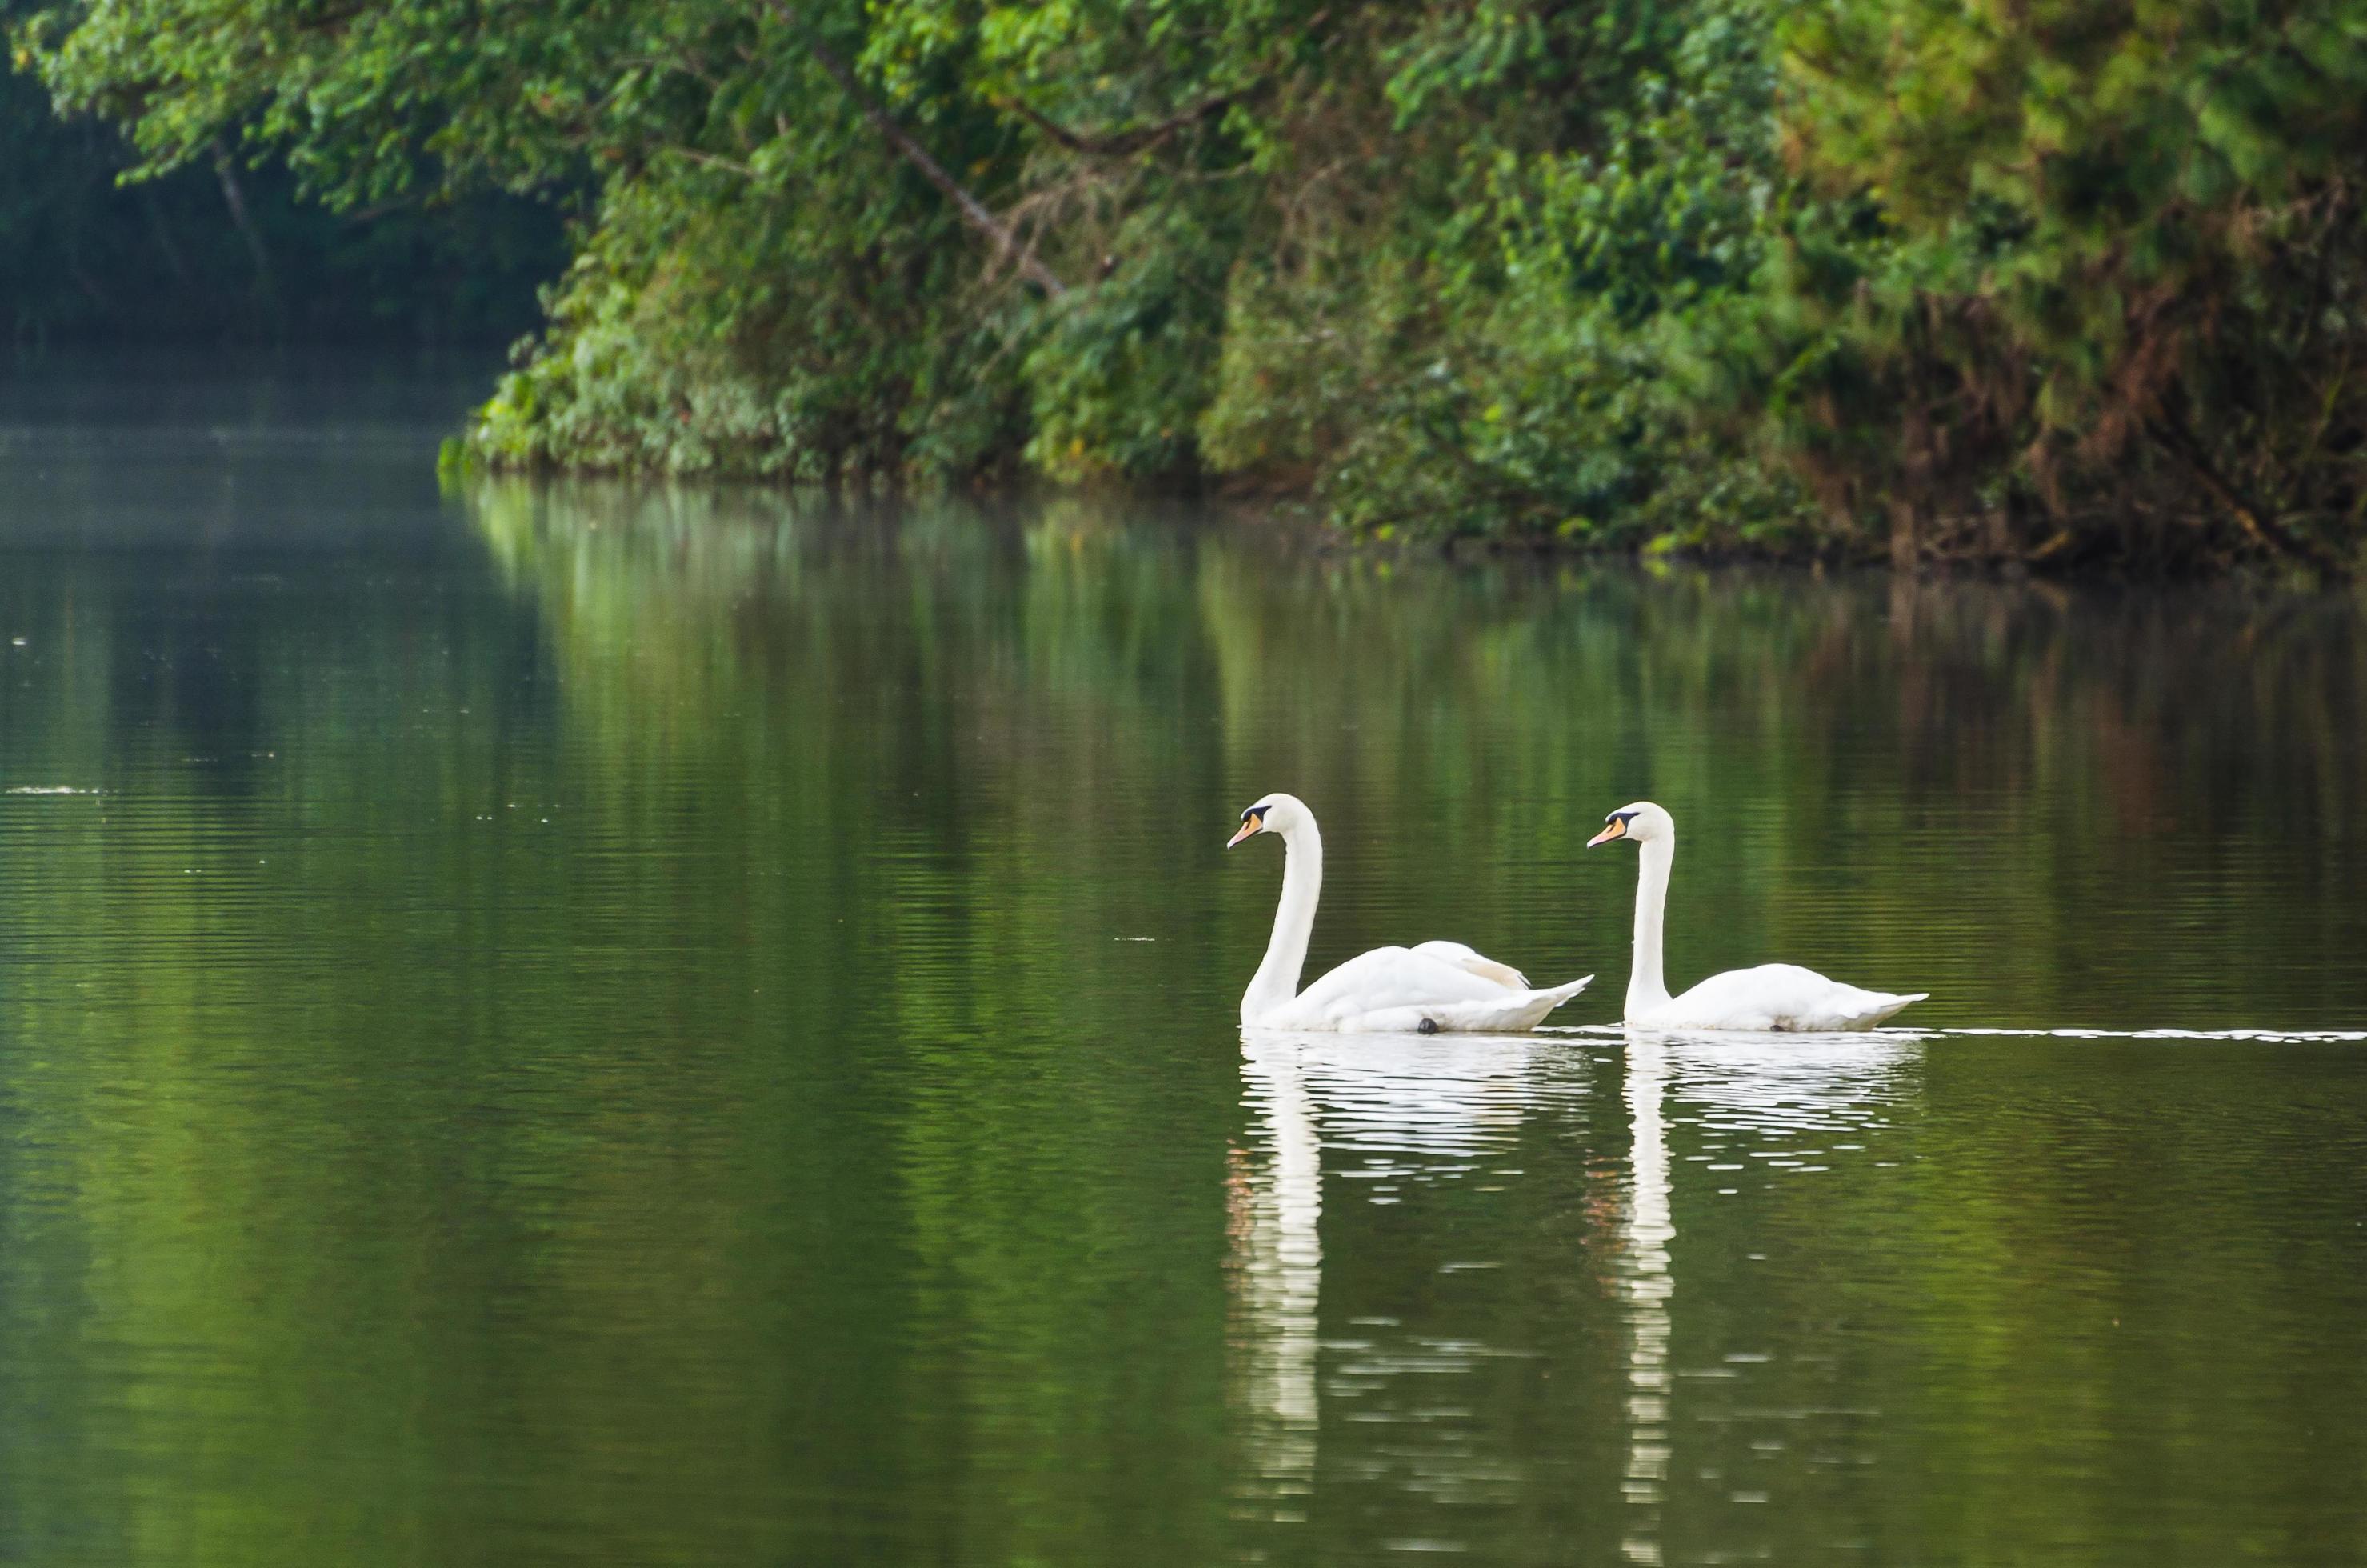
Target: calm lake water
point(595, 1024)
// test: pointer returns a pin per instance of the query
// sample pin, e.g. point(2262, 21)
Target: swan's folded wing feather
point(1472, 962)
point(1504, 1012)
point(1394, 977)
point(1779, 996)
point(1392, 989)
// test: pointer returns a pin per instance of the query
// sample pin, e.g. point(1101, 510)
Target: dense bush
point(2064, 282)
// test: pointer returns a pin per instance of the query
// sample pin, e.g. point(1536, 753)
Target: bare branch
point(710, 160)
point(1120, 143)
point(234, 198)
point(974, 211)
point(2171, 434)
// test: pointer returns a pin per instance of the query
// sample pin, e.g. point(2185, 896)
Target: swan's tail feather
point(1516, 1012)
point(1518, 1015)
point(1561, 993)
point(1880, 1004)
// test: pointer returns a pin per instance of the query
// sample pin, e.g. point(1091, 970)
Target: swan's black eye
point(1258, 811)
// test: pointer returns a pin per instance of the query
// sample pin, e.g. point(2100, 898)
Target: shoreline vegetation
point(2072, 287)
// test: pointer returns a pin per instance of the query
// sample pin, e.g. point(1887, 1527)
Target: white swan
point(1772, 996)
point(1437, 986)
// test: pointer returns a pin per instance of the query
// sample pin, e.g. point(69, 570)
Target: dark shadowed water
point(584, 1024)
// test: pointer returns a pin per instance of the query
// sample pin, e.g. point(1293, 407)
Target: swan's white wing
point(1474, 962)
point(1392, 989)
point(1393, 977)
point(1777, 996)
point(1503, 1012)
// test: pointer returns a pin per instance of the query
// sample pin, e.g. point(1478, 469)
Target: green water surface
point(586, 1023)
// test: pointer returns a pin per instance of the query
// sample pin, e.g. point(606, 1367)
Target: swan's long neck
point(1276, 981)
point(1646, 988)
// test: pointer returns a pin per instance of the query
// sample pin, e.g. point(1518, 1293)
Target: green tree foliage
point(2077, 271)
point(2052, 282)
point(225, 249)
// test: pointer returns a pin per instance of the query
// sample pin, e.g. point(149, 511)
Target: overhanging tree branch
point(1133, 140)
point(2170, 433)
point(974, 212)
point(266, 286)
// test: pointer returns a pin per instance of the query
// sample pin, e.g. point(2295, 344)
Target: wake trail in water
point(2031, 1031)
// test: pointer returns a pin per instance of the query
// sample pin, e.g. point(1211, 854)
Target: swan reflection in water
point(1273, 1203)
point(1648, 1287)
point(1748, 1086)
point(1389, 1115)
point(1388, 1112)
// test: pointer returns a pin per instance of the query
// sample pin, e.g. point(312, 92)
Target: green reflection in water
point(612, 1025)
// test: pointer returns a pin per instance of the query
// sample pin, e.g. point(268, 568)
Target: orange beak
point(1615, 828)
point(1254, 826)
